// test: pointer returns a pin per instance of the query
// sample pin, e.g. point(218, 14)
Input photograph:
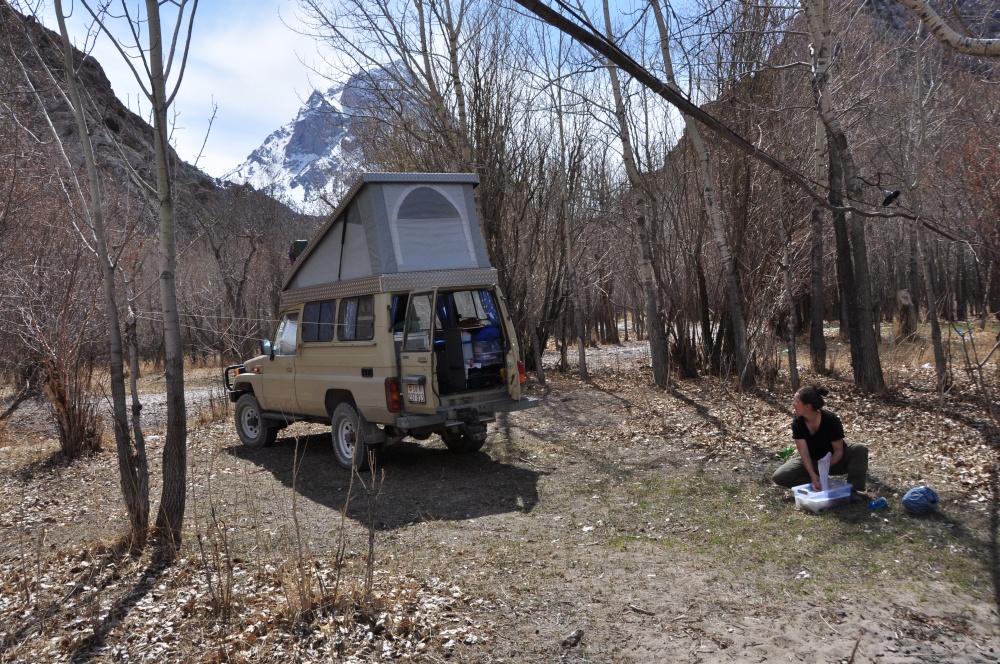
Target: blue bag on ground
point(921, 500)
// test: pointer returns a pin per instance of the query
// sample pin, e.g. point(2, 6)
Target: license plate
point(415, 394)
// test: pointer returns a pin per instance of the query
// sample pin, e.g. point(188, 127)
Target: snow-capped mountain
point(311, 155)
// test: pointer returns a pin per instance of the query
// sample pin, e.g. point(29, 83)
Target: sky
point(244, 57)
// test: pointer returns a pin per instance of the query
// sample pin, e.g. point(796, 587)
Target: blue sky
point(244, 57)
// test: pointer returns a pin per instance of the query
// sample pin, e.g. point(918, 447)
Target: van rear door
point(416, 354)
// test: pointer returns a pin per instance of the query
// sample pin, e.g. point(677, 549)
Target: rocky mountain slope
point(32, 71)
point(315, 153)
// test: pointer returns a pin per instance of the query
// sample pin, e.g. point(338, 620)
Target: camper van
point(391, 325)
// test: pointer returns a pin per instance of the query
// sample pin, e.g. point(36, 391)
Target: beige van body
point(392, 353)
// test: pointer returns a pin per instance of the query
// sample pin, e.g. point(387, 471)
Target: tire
point(460, 443)
point(250, 424)
point(344, 428)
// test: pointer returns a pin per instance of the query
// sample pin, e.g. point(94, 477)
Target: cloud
point(251, 65)
point(245, 58)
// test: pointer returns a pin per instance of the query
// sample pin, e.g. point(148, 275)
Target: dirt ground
point(615, 523)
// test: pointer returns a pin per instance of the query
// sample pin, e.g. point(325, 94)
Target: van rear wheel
point(345, 427)
point(461, 443)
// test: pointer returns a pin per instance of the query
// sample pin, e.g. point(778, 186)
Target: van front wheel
point(250, 424)
point(345, 427)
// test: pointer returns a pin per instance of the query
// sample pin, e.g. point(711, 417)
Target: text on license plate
point(415, 394)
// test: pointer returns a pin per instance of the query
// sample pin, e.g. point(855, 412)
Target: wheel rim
point(251, 422)
point(346, 437)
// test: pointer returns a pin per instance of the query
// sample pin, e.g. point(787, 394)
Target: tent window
point(427, 203)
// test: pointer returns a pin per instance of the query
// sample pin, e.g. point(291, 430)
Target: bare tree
point(920, 109)
point(157, 61)
point(405, 53)
point(817, 340)
point(729, 272)
point(657, 339)
point(852, 250)
point(132, 464)
point(90, 206)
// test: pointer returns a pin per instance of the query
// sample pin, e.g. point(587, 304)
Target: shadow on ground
point(421, 482)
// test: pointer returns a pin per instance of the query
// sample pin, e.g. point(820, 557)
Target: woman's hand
point(817, 485)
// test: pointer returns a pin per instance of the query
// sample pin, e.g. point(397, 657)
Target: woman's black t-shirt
point(830, 429)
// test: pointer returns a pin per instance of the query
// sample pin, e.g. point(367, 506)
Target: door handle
point(288, 370)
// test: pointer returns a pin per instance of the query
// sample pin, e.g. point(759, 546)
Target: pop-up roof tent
point(395, 231)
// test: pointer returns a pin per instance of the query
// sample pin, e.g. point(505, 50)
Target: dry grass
point(217, 408)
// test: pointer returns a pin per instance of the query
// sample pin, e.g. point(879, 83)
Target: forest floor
point(614, 523)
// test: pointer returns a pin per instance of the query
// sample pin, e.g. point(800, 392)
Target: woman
point(816, 433)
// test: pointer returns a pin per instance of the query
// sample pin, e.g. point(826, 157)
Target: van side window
point(317, 321)
point(356, 321)
point(284, 339)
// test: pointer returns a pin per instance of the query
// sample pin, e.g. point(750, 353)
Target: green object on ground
point(787, 452)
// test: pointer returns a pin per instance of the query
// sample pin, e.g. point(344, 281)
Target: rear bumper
point(453, 416)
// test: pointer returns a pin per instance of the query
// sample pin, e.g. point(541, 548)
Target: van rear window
point(356, 321)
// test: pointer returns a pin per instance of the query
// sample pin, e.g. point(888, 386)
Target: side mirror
point(266, 348)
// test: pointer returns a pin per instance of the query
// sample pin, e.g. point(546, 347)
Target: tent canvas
point(392, 223)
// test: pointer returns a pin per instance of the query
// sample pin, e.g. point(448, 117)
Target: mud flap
point(372, 434)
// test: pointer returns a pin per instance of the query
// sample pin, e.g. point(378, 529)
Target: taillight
point(520, 371)
point(392, 398)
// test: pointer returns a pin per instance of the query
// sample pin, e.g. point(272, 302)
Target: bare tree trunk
point(793, 368)
point(574, 289)
point(712, 358)
point(940, 363)
point(170, 517)
point(140, 479)
point(536, 346)
point(654, 321)
point(961, 285)
point(573, 283)
point(817, 340)
point(453, 29)
point(944, 33)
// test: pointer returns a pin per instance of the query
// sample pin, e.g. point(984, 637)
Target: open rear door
point(416, 358)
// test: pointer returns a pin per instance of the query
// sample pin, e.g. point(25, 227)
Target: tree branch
point(623, 61)
point(945, 34)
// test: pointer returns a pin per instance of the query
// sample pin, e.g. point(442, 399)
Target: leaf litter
point(68, 594)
